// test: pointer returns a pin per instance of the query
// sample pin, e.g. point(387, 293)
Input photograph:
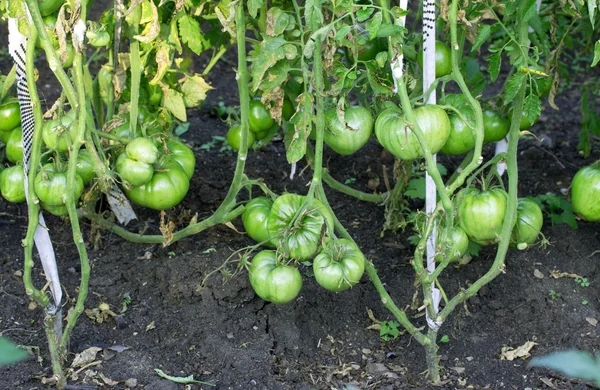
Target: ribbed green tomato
point(14, 146)
point(10, 116)
point(234, 137)
point(495, 127)
point(260, 118)
point(84, 167)
point(346, 140)
point(277, 283)
point(443, 59)
point(481, 214)
point(143, 150)
point(301, 241)
point(184, 155)
point(255, 219)
point(394, 135)
point(51, 186)
point(585, 193)
point(462, 136)
point(455, 241)
point(12, 184)
point(59, 211)
point(135, 172)
point(166, 189)
point(59, 133)
point(528, 225)
point(339, 266)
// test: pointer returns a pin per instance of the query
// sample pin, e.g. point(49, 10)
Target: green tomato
point(455, 241)
point(234, 137)
point(495, 127)
point(462, 136)
point(70, 56)
point(48, 7)
point(184, 155)
point(50, 24)
point(166, 189)
point(481, 214)
point(98, 38)
point(346, 140)
point(105, 84)
point(84, 167)
point(260, 118)
point(394, 135)
point(14, 146)
point(529, 223)
point(302, 241)
point(367, 49)
point(12, 184)
point(585, 193)
point(525, 122)
point(155, 95)
point(10, 116)
point(339, 266)
point(59, 211)
point(443, 59)
point(255, 219)
point(143, 150)
point(135, 172)
point(277, 283)
point(124, 130)
point(51, 185)
point(59, 133)
point(288, 110)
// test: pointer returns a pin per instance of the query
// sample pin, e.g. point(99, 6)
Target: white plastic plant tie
point(17, 43)
point(79, 34)
point(502, 145)
point(430, 190)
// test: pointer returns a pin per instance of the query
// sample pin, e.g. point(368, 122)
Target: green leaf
point(302, 122)
point(10, 353)
point(532, 107)
point(364, 13)
point(373, 25)
point(278, 22)
point(530, 10)
point(190, 33)
point(276, 76)
point(415, 188)
point(271, 51)
point(194, 90)
point(494, 66)
point(342, 32)
point(596, 53)
point(254, 6)
point(173, 101)
point(473, 249)
point(573, 363)
point(592, 5)
point(387, 30)
point(312, 13)
point(514, 83)
point(482, 36)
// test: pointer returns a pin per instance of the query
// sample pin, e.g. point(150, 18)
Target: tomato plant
point(528, 225)
point(347, 138)
point(339, 266)
point(273, 282)
point(394, 135)
point(585, 193)
point(12, 184)
point(481, 214)
point(255, 219)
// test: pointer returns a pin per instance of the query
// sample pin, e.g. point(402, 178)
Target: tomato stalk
point(136, 74)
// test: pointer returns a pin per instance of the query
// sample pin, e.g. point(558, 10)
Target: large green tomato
point(255, 219)
point(184, 155)
point(455, 241)
point(528, 225)
point(48, 7)
point(84, 167)
point(495, 127)
point(481, 214)
point(12, 184)
point(260, 118)
point(59, 133)
point(277, 283)
point(443, 59)
point(14, 146)
point(51, 186)
point(143, 150)
point(462, 136)
point(585, 193)
point(339, 266)
point(393, 133)
point(166, 189)
point(234, 137)
point(346, 140)
point(10, 116)
point(135, 172)
point(301, 241)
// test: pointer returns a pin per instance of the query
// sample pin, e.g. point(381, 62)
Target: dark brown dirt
point(222, 333)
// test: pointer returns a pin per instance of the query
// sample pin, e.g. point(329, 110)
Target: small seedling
point(214, 142)
point(558, 209)
point(583, 282)
point(554, 295)
point(389, 330)
point(585, 302)
point(350, 180)
point(444, 339)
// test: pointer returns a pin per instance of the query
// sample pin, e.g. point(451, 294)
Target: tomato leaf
point(164, 61)
point(278, 22)
point(312, 13)
point(514, 83)
point(530, 10)
point(494, 66)
point(271, 51)
point(276, 76)
point(10, 353)
point(194, 90)
point(532, 107)
point(415, 188)
point(387, 30)
point(573, 363)
point(302, 121)
point(173, 101)
point(373, 25)
point(364, 14)
point(254, 6)
point(190, 33)
point(482, 36)
point(342, 32)
point(596, 53)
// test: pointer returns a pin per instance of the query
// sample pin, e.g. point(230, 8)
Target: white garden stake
point(16, 47)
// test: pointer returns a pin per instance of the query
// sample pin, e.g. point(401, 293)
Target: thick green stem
point(214, 60)
point(55, 353)
point(431, 350)
point(136, 74)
